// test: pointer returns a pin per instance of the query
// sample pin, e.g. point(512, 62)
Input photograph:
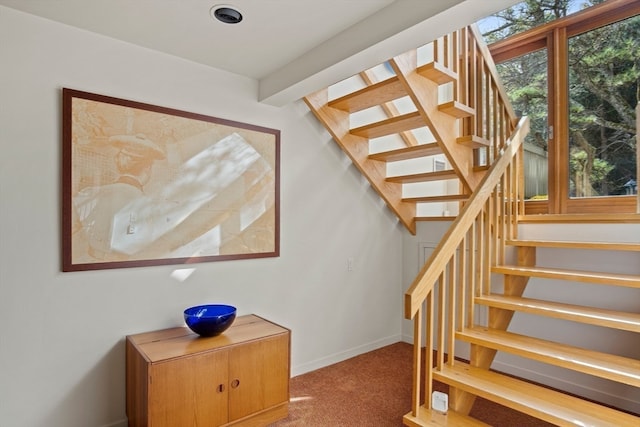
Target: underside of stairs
point(433, 127)
point(422, 127)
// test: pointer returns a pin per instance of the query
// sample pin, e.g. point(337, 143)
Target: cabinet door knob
point(220, 388)
point(235, 383)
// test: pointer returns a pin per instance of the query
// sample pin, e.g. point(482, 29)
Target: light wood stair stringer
point(442, 125)
point(357, 148)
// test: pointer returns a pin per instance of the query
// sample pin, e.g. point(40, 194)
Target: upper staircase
point(442, 108)
point(445, 118)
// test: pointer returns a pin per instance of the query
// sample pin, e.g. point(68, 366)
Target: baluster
point(520, 163)
point(454, 65)
point(445, 51)
point(417, 362)
point(428, 387)
point(463, 274)
point(502, 216)
point(474, 255)
point(488, 237)
point(479, 104)
point(503, 117)
point(495, 111)
point(514, 199)
point(451, 330)
point(441, 317)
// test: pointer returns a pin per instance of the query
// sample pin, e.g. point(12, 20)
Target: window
point(575, 73)
point(602, 97)
point(525, 78)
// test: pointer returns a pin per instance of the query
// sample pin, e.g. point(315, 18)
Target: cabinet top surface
point(170, 343)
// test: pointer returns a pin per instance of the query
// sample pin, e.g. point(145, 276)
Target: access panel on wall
point(146, 185)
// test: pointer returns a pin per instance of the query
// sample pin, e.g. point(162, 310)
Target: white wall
point(602, 339)
point(62, 334)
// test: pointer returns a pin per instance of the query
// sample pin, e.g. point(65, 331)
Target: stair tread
point(406, 153)
point(390, 126)
point(434, 418)
point(634, 247)
point(423, 177)
point(456, 109)
point(436, 218)
point(437, 72)
point(372, 95)
point(549, 405)
point(617, 279)
point(616, 368)
point(576, 313)
point(439, 198)
point(473, 141)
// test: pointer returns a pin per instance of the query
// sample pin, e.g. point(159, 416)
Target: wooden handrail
point(490, 214)
point(433, 268)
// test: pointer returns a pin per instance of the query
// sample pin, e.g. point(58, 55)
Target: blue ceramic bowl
point(210, 319)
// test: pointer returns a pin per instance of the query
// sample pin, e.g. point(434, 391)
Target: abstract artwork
point(146, 185)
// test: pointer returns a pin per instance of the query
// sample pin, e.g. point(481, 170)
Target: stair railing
point(459, 267)
point(477, 86)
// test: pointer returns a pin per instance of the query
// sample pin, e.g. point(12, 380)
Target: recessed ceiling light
point(226, 14)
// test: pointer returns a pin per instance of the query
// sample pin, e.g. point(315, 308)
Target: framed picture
point(145, 185)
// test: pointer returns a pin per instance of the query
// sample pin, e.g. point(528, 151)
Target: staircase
point(452, 108)
point(456, 112)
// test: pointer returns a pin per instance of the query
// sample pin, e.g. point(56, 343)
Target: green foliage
point(604, 71)
point(525, 15)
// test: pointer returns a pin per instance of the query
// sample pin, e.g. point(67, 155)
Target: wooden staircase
point(474, 378)
point(457, 98)
point(458, 113)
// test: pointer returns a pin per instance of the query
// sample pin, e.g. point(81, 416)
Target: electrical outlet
point(440, 401)
point(350, 264)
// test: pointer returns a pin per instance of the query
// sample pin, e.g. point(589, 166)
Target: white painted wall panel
point(62, 334)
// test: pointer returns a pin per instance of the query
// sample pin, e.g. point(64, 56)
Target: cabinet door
point(190, 391)
point(258, 375)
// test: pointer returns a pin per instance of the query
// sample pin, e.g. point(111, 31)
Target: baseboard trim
point(343, 355)
point(121, 423)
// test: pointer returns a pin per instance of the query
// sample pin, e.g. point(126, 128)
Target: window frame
point(554, 36)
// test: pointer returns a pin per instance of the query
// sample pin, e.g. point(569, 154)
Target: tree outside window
point(576, 77)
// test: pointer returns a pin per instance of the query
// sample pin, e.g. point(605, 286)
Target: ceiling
point(291, 47)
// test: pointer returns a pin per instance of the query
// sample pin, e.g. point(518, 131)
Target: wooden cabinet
point(176, 378)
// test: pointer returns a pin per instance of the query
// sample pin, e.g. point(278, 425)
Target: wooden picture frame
point(145, 185)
